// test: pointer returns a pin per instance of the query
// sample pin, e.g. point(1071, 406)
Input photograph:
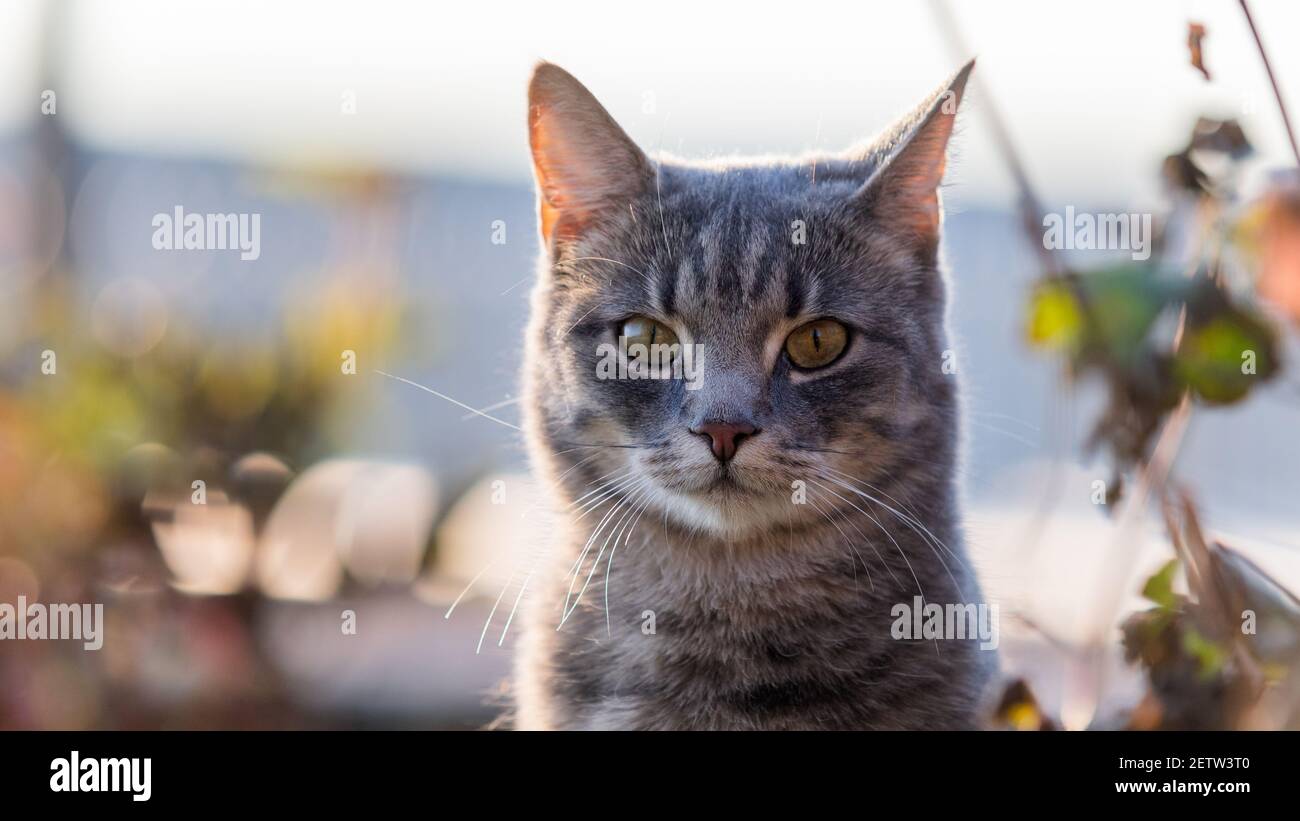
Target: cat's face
point(797, 305)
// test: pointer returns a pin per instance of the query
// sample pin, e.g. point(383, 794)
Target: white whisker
point(488, 622)
point(603, 485)
point(427, 389)
point(605, 494)
point(576, 569)
point(609, 564)
point(884, 530)
point(596, 563)
point(502, 404)
point(847, 541)
point(506, 629)
point(912, 524)
point(447, 615)
point(910, 519)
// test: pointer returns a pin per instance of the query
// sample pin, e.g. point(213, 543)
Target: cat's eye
point(816, 344)
point(642, 330)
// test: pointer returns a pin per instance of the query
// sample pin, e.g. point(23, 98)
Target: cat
point(732, 554)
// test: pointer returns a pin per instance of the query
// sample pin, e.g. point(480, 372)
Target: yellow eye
point(642, 330)
point(816, 344)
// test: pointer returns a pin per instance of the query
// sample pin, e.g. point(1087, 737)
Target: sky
point(1095, 92)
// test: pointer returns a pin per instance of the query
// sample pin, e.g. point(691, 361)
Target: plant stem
point(1277, 92)
point(1031, 211)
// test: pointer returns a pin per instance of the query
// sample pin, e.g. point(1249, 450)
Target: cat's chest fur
point(793, 633)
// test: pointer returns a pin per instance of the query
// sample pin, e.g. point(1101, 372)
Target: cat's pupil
point(817, 339)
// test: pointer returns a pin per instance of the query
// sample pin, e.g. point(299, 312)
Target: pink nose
point(725, 436)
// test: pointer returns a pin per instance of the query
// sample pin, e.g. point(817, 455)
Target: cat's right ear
point(585, 164)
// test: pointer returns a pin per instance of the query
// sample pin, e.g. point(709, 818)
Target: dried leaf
point(1018, 709)
point(1223, 136)
point(1181, 173)
point(1195, 39)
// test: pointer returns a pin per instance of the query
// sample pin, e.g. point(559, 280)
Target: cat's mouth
point(728, 501)
point(724, 481)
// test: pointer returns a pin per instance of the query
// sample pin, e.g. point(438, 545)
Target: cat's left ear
point(907, 165)
point(586, 166)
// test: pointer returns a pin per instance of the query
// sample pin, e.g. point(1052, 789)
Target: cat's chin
point(724, 508)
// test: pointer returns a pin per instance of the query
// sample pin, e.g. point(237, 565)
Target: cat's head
point(803, 298)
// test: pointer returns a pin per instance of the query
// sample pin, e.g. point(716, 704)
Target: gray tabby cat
point(733, 549)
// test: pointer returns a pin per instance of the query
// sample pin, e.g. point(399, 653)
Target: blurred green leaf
point(1223, 359)
point(1123, 303)
point(1209, 656)
point(1160, 587)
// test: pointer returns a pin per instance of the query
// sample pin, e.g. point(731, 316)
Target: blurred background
point(383, 145)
